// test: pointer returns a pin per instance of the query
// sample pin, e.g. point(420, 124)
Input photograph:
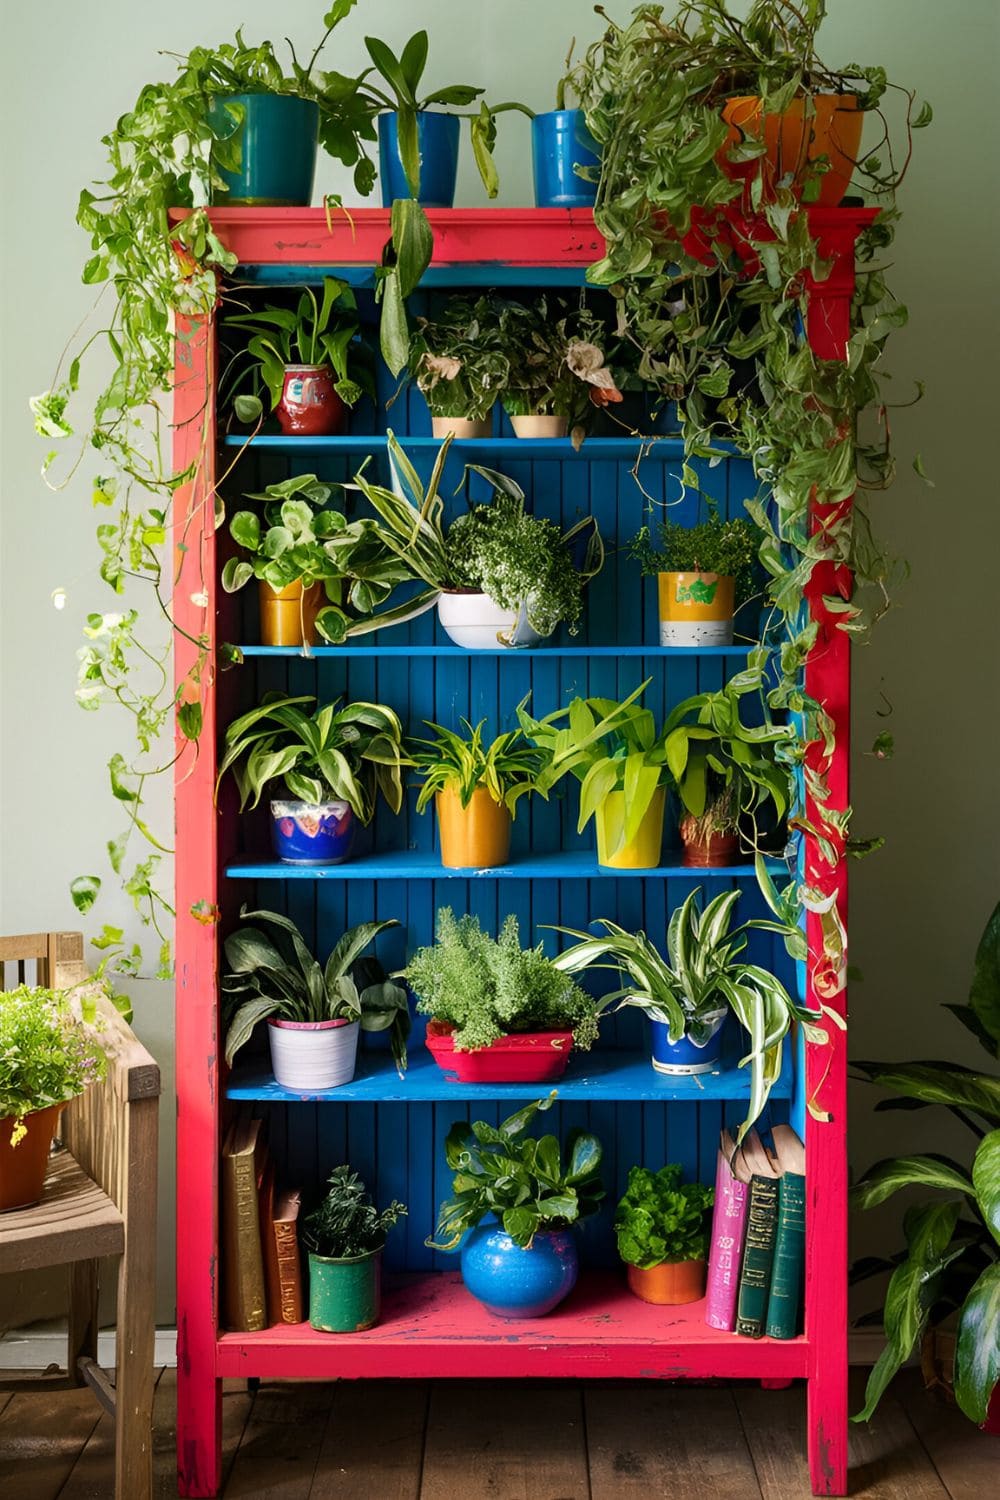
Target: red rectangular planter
point(533, 1057)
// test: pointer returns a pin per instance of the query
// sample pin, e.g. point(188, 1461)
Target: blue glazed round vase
point(515, 1283)
point(437, 144)
point(304, 834)
point(560, 141)
point(278, 139)
point(687, 1055)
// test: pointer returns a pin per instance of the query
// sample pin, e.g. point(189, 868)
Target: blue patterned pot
point(308, 834)
point(560, 141)
point(687, 1055)
point(277, 149)
point(516, 1283)
point(437, 143)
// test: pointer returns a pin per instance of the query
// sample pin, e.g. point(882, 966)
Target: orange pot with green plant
point(475, 787)
point(703, 573)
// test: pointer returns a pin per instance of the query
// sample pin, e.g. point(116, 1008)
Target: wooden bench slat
point(75, 1220)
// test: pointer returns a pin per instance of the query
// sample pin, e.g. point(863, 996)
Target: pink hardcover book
point(728, 1229)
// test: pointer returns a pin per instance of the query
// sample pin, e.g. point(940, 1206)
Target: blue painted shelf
point(681, 653)
point(592, 1076)
point(593, 449)
point(362, 277)
point(418, 864)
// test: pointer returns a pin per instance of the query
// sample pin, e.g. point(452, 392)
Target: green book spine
point(784, 1303)
point(755, 1278)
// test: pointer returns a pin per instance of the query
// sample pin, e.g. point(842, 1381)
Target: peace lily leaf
point(887, 1177)
point(977, 1352)
point(986, 1177)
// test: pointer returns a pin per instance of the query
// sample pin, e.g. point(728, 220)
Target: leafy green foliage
point(346, 1223)
point(272, 973)
point(507, 767)
point(487, 988)
point(458, 359)
point(728, 548)
point(555, 359)
point(48, 1051)
point(662, 1218)
point(348, 754)
point(529, 1185)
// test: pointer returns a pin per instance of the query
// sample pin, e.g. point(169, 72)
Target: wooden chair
point(99, 1201)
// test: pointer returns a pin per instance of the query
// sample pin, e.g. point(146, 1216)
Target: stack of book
point(757, 1251)
point(261, 1264)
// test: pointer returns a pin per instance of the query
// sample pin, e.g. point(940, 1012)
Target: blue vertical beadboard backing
point(399, 1148)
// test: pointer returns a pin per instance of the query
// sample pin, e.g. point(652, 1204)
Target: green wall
point(69, 70)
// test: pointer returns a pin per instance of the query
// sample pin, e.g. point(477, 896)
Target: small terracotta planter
point(710, 850)
point(23, 1167)
point(669, 1284)
point(288, 617)
point(476, 837)
point(794, 139)
point(538, 426)
point(526, 1057)
point(309, 405)
point(462, 427)
point(696, 609)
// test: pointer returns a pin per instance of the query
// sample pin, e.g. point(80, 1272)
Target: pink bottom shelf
point(431, 1327)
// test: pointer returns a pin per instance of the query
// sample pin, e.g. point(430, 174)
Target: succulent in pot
point(476, 788)
point(515, 1200)
point(459, 365)
point(309, 358)
point(500, 575)
point(557, 369)
point(314, 1012)
point(50, 1052)
point(344, 1237)
point(499, 1013)
point(704, 574)
point(333, 763)
point(662, 1225)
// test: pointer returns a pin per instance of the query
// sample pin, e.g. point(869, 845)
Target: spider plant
point(507, 767)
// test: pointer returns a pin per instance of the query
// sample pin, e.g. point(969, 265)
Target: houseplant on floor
point(662, 1225)
point(49, 1053)
point(557, 373)
point(514, 1203)
point(476, 788)
point(314, 1012)
point(704, 574)
point(333, 763)
point(344, 1236)
point(501, 576)
point(499, 1013)
point(458, 363)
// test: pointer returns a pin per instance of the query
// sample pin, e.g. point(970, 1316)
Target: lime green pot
point(345, 1296)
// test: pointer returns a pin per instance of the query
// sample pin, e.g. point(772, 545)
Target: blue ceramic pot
point(277, 150)
point(304, 834)
point(516, 1283)
point(687, 1055)
point(437, 142)
point(559, 141)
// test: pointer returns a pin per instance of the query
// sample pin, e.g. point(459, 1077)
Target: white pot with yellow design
point(696, 609)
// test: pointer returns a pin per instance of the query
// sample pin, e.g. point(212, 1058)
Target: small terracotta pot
point(288, 617)
point(476, 837)
point(696, 609)
point(462, 427)
point(536, 426)
point(309, 405)
point(705, 853)
point(23, 1167)
point(670, 1283)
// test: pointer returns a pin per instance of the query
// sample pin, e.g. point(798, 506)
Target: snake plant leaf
point(977, 1352)
point(888, 1176)
point(986, 1177)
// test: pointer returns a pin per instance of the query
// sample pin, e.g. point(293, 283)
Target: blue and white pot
point(688, 1055)
point(306, 833)
point(515, 1283)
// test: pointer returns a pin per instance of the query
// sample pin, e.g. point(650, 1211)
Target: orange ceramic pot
point(794, 139)
point(23, 1167)
point(288, 617)
point(476, 837)
point(670, 1283)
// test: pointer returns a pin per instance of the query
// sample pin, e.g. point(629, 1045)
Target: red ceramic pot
point(309, 405)
point(531, 1057)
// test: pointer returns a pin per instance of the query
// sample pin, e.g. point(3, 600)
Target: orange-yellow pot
point(288, 617)
point(670, 1283)
point(476, 837)
point(641, 852)
point(794, 139)
point(23, 1167)
point(696, 609)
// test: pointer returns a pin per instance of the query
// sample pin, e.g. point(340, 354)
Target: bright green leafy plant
point(346, 1224)
point(728, 548)
point(486, 988)
point(347, 754)
point(49, 1051)
point(530, 1184)
point(272, 973)
point(507, 767)
point(457, 359)
point(951, 1264)
point(660, 1218)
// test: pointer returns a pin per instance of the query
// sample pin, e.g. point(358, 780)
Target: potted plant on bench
point(345, 1236)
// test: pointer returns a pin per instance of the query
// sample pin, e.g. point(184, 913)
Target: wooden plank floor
point(530, 1440)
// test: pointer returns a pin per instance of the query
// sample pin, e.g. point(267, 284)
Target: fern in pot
point(458, 363)
point(345, 1236)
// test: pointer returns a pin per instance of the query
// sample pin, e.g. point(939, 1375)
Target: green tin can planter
point(345, 1296)
point(277, 151)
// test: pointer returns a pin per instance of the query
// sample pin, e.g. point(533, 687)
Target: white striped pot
point(310, 1055)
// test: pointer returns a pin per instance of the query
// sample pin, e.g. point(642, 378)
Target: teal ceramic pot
point(277, 151)
point(561, 142)
point(345, 1296)
point(515, 1283)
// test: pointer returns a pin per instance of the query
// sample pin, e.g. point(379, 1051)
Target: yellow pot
point(476, 837)
point(696, 609)
point(641, 852)
point(288, 617)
